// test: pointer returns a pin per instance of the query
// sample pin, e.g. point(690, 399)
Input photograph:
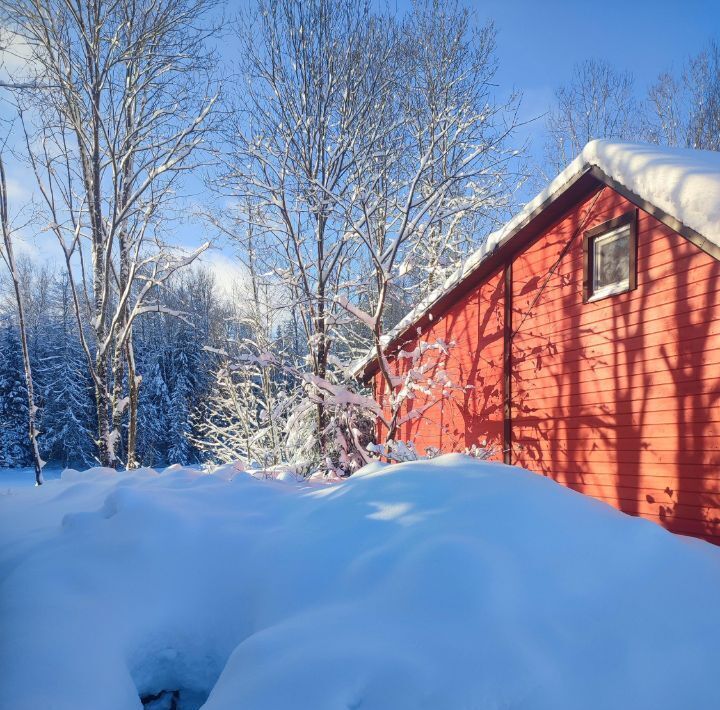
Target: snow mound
point(70, 474)
point(449, 583)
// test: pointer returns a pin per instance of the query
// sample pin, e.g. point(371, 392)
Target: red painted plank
point(562, 306)
point(622, 380)
point(607, 391)
point(660, 340)
point(532, 450)
point(685, 432)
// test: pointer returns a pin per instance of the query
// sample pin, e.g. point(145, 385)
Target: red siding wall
point(472, 415)
point(619, 399)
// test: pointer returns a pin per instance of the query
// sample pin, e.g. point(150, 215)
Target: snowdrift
point(439, 584)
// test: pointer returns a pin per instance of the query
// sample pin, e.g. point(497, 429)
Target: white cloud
point(227, 270)
point(15, 56)
point(38, 247)
point(17, 191)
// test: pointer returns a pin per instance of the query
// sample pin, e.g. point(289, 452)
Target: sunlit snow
point(439, 584)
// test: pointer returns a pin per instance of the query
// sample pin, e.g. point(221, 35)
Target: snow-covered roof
point(681, 183)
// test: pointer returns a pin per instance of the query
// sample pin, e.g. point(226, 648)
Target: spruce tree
point(154, 422)
point(67, 417)
point(179, 415)
point(15, 448)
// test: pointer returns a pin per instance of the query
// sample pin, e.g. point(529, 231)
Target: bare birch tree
point(116, 107)
point(459, 129)
point(7, 253)
point(598, 102)
point(685, 107)
point(315, 74)
point(364, 137)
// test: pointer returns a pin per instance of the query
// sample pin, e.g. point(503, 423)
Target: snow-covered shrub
point(414, 382)
point(482, 453)
point(397, 451)
point(266, 411)
point(235, 423)
point(339, 444)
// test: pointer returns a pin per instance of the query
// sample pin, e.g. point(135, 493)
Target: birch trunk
point(134, 393)
point(38, 463)
point(118, 98)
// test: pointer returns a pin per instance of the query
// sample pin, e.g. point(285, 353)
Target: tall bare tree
point(365, 137)
point(7, 252)
point(685, 107)
point(116, 105)
point(449, 171)
point(597, 102)
point(315, 75)
point(451, 106)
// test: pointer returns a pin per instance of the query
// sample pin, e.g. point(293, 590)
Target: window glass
point(611, 261)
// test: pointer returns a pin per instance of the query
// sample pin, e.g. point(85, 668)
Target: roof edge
point(494, 242)
point(587, 163)
point(661, 215)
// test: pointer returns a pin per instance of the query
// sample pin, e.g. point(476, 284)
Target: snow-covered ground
point(439, 584)
point(12, 478)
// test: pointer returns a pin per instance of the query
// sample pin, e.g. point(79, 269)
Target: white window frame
point(598, 235)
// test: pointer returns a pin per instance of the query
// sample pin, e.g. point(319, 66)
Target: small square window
point(610, 259)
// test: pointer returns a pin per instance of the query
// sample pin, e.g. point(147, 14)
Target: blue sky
point(537, 44)
point(539, 41)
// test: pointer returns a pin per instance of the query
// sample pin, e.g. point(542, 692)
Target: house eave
point(512, 237)
point(579, 179)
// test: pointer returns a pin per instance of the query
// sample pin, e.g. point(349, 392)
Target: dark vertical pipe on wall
point(507, 366)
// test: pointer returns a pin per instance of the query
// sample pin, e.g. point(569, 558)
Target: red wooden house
point(587, 337)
